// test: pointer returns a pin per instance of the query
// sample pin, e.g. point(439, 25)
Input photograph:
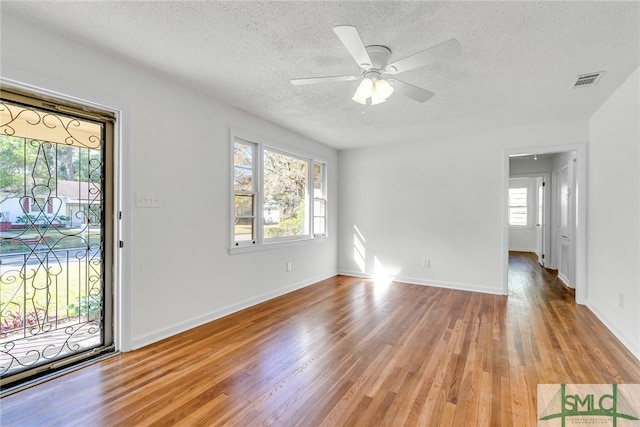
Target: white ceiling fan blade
point(314, 80)
point(428, 56)
point(351, 40)
point(414, 92)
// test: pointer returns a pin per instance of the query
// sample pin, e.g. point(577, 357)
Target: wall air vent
point(587, 80)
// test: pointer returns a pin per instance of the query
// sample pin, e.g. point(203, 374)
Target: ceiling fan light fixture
point(376, 96)
point(364, 91)
point(383, 88)
point(375, 100)
point(375, 88)
point(359, 100)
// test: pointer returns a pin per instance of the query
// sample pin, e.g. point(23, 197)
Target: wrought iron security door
point(55, 236)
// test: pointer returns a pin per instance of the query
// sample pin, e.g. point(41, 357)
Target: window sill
point(275, 245)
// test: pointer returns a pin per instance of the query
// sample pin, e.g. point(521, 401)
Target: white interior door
point(565, 224)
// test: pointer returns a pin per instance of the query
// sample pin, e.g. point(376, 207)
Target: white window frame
point(260, 242)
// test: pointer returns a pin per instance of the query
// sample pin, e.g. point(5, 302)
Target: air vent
point(587, 80)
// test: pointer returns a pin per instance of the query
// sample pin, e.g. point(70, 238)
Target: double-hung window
point(277, 196)
point(319, 199)
point(244, 192)
point(520, 205)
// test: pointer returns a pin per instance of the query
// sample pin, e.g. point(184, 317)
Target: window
point(319, 200)
point(285, 188)
point(518, 207)
point(521, 202)
point(244, 198)
point(277, 196)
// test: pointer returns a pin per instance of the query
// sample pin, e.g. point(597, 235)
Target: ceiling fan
point(373, 60)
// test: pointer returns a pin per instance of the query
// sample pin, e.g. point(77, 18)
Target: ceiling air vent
point(587, 80)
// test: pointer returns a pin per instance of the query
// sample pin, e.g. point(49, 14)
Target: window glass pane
point(285, 188)
point(517, 216)
point(319, 203)
point(317, 172)
point(244, 205)
point(243, 229)
point(242, 154)
point(318, 225)
point(318, 180)
point(242, 179)
point(517, 197)
point(271, 213)
point(318, 207)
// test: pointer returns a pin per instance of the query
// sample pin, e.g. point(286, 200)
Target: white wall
point(178, 272)
point(614, 213)
point(528, 166)
point(442, 200)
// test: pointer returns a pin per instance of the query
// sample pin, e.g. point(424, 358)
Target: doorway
point(529, 214)
point(56, 235)
point(560, 212)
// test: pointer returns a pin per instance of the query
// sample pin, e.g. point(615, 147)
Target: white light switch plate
point(148, 200)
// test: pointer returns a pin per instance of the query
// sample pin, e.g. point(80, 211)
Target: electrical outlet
point(148, 200)
point(289, 266)
point(426, 263)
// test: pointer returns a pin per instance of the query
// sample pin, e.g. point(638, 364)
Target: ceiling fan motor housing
point(379, 56)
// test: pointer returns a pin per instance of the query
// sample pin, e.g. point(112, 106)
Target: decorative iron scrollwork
point(16, 120)
point(51, 253)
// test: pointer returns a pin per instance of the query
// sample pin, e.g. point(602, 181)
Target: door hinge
point(120, 215)
point(121, 244)
point(542, 256)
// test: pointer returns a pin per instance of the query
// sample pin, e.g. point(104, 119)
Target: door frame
point(546, 236)
point(580, 217)
point(546, 252)
point(121, 272)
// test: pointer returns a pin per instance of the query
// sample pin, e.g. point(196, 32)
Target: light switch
point(148, 200)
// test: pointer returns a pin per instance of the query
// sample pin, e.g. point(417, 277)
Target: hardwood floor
point(347, 352)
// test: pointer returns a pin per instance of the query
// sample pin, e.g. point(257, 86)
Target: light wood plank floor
point(346, 352)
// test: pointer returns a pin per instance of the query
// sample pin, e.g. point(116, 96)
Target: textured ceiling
point(518, 61)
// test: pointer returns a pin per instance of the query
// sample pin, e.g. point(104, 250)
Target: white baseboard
point(435, 283)
point(532, 250)
point(185, 325)
point(631, 344)
point(565, 280)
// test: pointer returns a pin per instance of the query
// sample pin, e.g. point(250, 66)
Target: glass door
point(56, 235)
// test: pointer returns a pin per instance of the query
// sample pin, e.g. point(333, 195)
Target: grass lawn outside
point(48, 282)
point(19, 241)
